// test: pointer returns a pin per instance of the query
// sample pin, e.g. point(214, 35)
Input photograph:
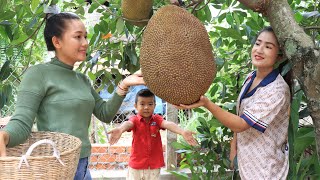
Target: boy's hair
point(56, 25)
point(144, 93)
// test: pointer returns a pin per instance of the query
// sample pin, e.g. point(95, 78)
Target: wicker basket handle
point(56, 152)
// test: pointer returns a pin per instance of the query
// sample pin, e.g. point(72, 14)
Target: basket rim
point(12, 158)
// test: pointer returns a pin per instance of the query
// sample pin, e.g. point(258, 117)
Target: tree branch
point(203, 6)
point(34, 32)
point(256, 5)
point(192, 4)
point(196, 5)
point(311, 27)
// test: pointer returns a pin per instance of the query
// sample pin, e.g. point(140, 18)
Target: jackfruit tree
point(114, 42)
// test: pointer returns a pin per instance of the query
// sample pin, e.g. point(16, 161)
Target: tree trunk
point(299, 49)
point(171, 160)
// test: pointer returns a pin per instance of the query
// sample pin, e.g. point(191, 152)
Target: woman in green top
point(62, 100)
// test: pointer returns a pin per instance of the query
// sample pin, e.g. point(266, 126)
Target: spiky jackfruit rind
point(176, 56)
point(137, 10)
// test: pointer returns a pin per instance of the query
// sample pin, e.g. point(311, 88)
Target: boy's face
point(145, 106)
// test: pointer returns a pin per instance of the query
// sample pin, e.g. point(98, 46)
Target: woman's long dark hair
point(283, 66)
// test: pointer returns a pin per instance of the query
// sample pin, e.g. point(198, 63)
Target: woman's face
point(73, 44)
point(264, 53)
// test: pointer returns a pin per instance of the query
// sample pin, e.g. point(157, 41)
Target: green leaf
point(3, 100)
point(230, 32)
point(133, 55)
point(199, 110)
point(184, 165)
point(180, 175)
point(7, 90)
point(9, 32)
point(248, 31)
point(224, 91)
point(3, 33)
point(308, 134)
point(294, 112)
point(212, 129)
point(32, 23)
point(21, 12)
point(219, 42)
point(5, 71)
point(120, 25)
point(22, 37)
point(208, 13)
point(298, 17)
point(229, 19)
point(236, 18)
point(91, 75)
point(222, 17)
point(286, 68)
point(202, 121)
point(217, 6)
point(213, 90)
point(94, 40)
point(110, 88)
point(8, 15)
point(214, 123)
point(301, 144)
point(34, 5)
point(292, 130)
point(228, 2)
point(80, 11)
point(177, 145)
point(200, 130)
point(5, 93)
point(219, 61)
point(104, 26)
point(93, 7)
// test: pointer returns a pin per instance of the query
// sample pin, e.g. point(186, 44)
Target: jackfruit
point(176, 56)
point(137, 10)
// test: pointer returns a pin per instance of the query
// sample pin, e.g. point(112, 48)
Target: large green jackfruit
point(137, 10)
point(176, 56)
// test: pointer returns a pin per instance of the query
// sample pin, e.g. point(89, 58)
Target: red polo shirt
point(146, 149)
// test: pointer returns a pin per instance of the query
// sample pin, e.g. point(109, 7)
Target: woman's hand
point(115, 135)
point(188, 136)
point(132, 80)
point(233, 151)
point(203, 101)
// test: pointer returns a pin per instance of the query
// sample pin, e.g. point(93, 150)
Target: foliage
point(231, 29)
point(5, 88)
point(114, 48)
point(302, 154)
point(209, 160)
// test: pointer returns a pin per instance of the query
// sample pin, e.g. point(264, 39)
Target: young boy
point(146, 157)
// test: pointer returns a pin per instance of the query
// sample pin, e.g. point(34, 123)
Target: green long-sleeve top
point(61, 100)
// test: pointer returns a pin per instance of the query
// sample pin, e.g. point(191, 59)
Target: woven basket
point(44, 161)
